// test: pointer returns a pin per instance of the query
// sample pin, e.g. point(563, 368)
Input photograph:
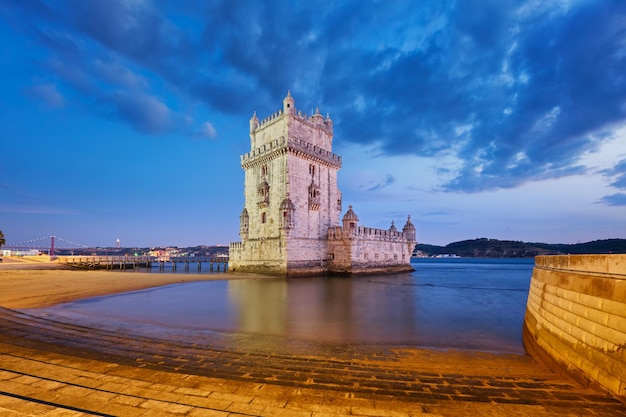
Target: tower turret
point(318, 119)
point(409, 230)
point(254, 122)
point(289, 104)
point(350, 221)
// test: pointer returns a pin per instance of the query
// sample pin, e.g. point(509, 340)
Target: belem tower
point(289, 225)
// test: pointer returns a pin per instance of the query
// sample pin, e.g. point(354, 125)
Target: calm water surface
point(475, 304)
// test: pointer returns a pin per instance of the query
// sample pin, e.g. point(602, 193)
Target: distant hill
point(493, 248)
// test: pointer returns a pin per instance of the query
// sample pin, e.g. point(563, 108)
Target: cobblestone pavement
point(50, 368)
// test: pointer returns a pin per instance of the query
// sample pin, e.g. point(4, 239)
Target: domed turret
point(350, 215)
point(350, 220)
point(393, 227)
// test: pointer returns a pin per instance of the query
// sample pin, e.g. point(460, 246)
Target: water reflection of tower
point(323, 310)
point(381, 309)
point(261, 305)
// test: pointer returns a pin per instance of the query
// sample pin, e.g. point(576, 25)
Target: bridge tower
point(51, 246)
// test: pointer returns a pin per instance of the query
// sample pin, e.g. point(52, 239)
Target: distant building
point(289, 225)
point(21, 252)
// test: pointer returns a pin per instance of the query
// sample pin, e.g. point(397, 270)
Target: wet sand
point(43, 284)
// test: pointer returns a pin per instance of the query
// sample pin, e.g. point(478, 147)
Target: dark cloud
point(617, 199)
point(617, 175)
point(526, 103)
point(516, 90)
point(386, 181)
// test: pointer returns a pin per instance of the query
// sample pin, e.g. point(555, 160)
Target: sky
point(126, 119)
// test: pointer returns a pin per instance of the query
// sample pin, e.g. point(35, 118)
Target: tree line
point(493, 248)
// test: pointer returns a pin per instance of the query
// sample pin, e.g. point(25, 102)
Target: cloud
point(145, 113)
point(618, 174)
point(47, 94)
point(386, 181)
point(617, 199)
point(207, 131)
point(516, 91)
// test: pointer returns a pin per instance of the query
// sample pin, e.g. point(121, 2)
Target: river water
point(453, 303)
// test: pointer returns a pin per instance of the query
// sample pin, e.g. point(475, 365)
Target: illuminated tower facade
point(289, 225)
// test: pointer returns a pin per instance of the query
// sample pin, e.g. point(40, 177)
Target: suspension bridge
point(45, 244)
point(93, 258)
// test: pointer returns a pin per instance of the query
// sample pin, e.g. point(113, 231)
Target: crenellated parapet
point(317, 120)
point(235, 246)
point(299, 146)
point(315, 152)
point(351, 229)
point(368, 233)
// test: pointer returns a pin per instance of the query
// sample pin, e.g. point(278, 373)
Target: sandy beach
point(32, 285)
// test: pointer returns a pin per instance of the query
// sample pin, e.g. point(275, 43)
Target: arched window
point(264, 194)
point(314, 196)
point(263, 217)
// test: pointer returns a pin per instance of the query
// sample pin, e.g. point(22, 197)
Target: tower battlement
point(279, 145)
point(317, 120)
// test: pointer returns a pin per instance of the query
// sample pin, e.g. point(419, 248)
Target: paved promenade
point(55, 369)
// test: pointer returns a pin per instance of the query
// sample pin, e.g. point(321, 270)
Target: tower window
point(287, 208)
point(311, 169)
point(263, 217)
point(264, 170)
point(264, 194)
point(314, 196)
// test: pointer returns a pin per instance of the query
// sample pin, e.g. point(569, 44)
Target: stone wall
point(261, 256)
point(576, 318)
point(365, 250)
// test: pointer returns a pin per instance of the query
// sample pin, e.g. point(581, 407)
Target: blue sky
point(125, 119)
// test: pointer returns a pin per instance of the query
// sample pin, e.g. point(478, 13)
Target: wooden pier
point(218, 264)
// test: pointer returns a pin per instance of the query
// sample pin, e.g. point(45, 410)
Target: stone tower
point(289, 225)
point(291, 195)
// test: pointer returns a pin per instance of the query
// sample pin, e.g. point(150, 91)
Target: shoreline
point(37, 285)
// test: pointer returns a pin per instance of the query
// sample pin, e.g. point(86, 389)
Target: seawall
point(576, 318)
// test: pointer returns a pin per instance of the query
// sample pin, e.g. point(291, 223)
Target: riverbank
point(55, 367)
point(32, 285)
